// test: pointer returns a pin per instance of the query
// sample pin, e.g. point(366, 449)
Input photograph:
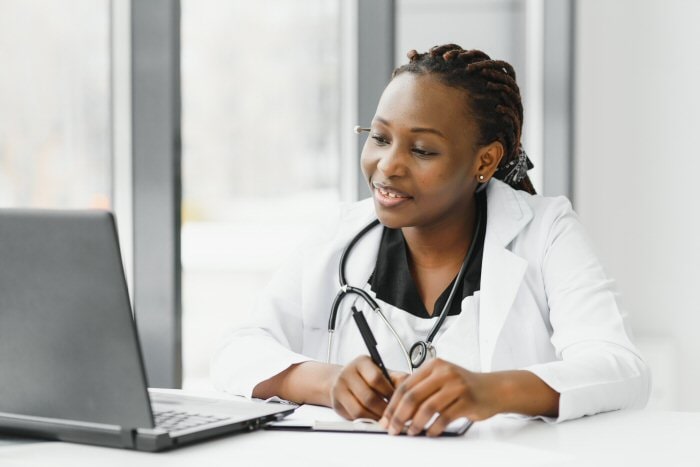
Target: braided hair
point(494, 101)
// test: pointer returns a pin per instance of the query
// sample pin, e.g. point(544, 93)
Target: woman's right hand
point(361, 390)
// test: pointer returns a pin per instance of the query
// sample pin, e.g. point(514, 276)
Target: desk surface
point(637, 438)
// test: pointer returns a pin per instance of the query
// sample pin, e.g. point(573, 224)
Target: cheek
point(367, 161)
point(445, 183)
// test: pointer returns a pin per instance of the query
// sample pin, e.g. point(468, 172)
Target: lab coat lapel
point(502, 271)
point(321, 281)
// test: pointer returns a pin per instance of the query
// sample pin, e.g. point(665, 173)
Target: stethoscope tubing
point(377, 309)
point(346, 289)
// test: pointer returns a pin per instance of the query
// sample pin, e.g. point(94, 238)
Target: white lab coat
point(545, 305)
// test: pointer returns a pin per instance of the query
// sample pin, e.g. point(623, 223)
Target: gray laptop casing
point(70, 362)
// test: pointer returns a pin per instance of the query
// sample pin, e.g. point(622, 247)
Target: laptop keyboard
point(171, 420)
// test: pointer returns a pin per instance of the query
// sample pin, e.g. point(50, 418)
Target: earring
point(483, 183)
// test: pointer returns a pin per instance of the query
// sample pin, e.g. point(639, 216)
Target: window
point(55, 104)
point(261, 151)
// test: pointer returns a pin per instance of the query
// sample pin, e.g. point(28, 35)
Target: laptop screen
point(68, 344)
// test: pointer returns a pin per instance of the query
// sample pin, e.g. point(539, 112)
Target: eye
point(379, 139)
point(425, 153)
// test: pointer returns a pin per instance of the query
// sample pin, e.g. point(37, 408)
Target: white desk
point(632, 438)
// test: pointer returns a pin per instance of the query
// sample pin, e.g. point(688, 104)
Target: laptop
point(70, 362)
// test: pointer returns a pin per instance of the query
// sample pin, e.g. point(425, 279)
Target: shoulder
point(538, 204)
point(518, 215)
point(341, 224)
point(357, 213)
point(352, 217)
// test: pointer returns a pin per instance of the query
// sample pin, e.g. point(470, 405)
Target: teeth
point(388, 194)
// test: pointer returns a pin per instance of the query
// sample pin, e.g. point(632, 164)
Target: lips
point(389, 197)
point(389, 191)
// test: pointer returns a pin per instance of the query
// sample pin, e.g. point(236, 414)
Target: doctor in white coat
point(533, 326)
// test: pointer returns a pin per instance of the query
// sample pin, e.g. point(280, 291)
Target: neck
point(443, 243)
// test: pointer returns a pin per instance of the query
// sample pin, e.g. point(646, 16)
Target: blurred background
point(220, 132)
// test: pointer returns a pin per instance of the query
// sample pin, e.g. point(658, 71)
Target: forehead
point(411, 100)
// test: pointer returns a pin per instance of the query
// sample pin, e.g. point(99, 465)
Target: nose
point(392, 162)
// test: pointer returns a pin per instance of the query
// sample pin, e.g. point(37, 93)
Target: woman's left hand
point(444, 388)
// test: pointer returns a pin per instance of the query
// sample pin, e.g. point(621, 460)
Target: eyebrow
point(414, 129)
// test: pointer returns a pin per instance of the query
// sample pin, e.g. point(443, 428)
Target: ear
point(487, 159)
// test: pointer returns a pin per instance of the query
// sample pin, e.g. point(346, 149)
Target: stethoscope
point(421, 349)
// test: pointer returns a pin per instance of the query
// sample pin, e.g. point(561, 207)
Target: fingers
point(398, 377)
point(353, 407)
point(402, 388)
point(419, 404)
point(438, 388)
point(361, 390)
point(373, 377)
point(372, 401)
point(446, 416)
point(437, 403)
point(352, 398)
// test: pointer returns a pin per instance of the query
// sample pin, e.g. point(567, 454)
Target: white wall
point(637, 172)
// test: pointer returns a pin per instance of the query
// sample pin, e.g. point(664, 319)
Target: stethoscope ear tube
point(334, 310)
point(344, 287)
point(346, 252)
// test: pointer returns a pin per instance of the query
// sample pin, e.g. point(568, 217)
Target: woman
point(499, 285)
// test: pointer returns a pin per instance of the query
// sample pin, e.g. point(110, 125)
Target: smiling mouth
point(388, 197)
point(390, 194)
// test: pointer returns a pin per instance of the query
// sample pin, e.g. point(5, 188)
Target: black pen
point(370, 341)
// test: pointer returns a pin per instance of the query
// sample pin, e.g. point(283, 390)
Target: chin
point(392, 220)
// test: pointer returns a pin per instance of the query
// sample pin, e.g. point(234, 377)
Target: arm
point(455, 392)
point(303, 383)
point(598, 368)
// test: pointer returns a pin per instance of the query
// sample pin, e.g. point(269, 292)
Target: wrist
point(330, 377)
point(506, 392)
point(497, 393)
point(522, 392)
point(311, 382)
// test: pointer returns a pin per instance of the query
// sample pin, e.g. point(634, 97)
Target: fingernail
point(393, 430)
point(383, 422)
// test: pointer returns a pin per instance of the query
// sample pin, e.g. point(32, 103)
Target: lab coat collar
point(508, 213)
point(502, 271)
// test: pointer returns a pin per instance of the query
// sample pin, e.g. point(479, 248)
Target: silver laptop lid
point(68, 344)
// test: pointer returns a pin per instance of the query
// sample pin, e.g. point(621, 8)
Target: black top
point(393, 283)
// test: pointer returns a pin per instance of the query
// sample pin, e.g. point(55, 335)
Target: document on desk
point(315, 418)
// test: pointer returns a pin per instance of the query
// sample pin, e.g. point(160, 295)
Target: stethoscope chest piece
point(420, 351)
